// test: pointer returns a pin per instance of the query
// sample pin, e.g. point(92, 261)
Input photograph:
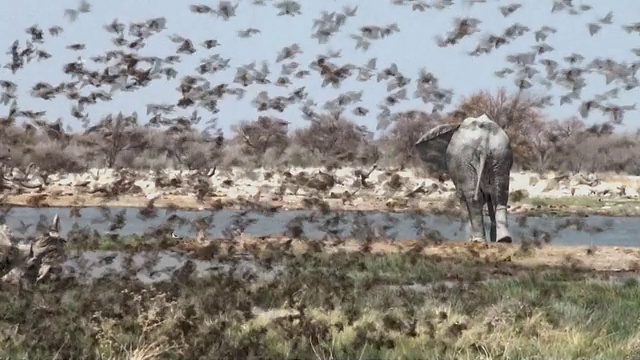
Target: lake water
point(158, 266)
point(592, 230)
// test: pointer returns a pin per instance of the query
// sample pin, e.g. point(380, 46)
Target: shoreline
point(559, 206)
point(522, 256)
point(601, 259)
point(341, 189)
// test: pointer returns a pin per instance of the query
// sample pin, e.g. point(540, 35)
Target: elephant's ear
point(432, 146)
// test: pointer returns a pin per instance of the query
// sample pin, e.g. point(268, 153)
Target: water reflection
point(593, 230)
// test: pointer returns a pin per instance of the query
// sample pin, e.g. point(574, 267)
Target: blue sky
point(412, 48)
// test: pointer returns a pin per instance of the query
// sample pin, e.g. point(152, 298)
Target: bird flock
point(99, 78)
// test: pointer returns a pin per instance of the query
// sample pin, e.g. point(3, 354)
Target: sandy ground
point(187, 202)
point(495, 256)
point(545, 206)
point(344, 188)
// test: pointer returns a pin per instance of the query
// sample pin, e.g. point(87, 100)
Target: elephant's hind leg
point(492, 217)
point(464, 207)
point(474, 213)
point(500, 202)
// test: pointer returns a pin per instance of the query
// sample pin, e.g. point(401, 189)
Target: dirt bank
point(500, 258)
point(343, 188)
point(532, 206)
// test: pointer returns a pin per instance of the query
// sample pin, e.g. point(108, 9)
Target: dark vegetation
point(120, 141)
point(323, 305)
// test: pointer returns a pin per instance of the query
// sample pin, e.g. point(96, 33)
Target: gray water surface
point(592, 230)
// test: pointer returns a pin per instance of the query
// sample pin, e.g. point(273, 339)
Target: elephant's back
point(490, 134)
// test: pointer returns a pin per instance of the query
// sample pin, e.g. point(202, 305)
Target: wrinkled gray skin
point(478, 157)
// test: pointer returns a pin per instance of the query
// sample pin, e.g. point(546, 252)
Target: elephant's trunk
point(483, 160)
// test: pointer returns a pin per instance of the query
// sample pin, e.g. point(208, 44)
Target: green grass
point(134, 242)
point(581, 201)
point(329, 306)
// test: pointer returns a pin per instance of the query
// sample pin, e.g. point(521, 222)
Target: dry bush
point(155, 315)
point(262, 135)
point(13, 136)
point(55, 157)
point(518, 195)
point(232, 156)
point(329, 138)
point(587, 152)
point(117, 133)
point(368, 153)
point(146, 160)
point(196, 152)
point(273, 158)
point(295, 156)
point(546, 137)
point(20, 146)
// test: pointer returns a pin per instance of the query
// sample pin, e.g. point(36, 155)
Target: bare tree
point(335, 138)
point(543, 141)
point(262, 134)
point(115, 135)
point(568, 127)
point(594, 149)
point(547, 137)
point(194, 151)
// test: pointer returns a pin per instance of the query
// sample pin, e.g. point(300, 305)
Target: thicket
point(540, 142)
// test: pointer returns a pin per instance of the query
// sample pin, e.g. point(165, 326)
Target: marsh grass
point(330, 305)
point(91, 240)
point(107, 242)
point(580, 201)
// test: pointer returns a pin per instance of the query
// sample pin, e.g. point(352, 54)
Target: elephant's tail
point(483, 160)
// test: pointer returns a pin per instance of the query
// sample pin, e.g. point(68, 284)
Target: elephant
point(478, 157)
